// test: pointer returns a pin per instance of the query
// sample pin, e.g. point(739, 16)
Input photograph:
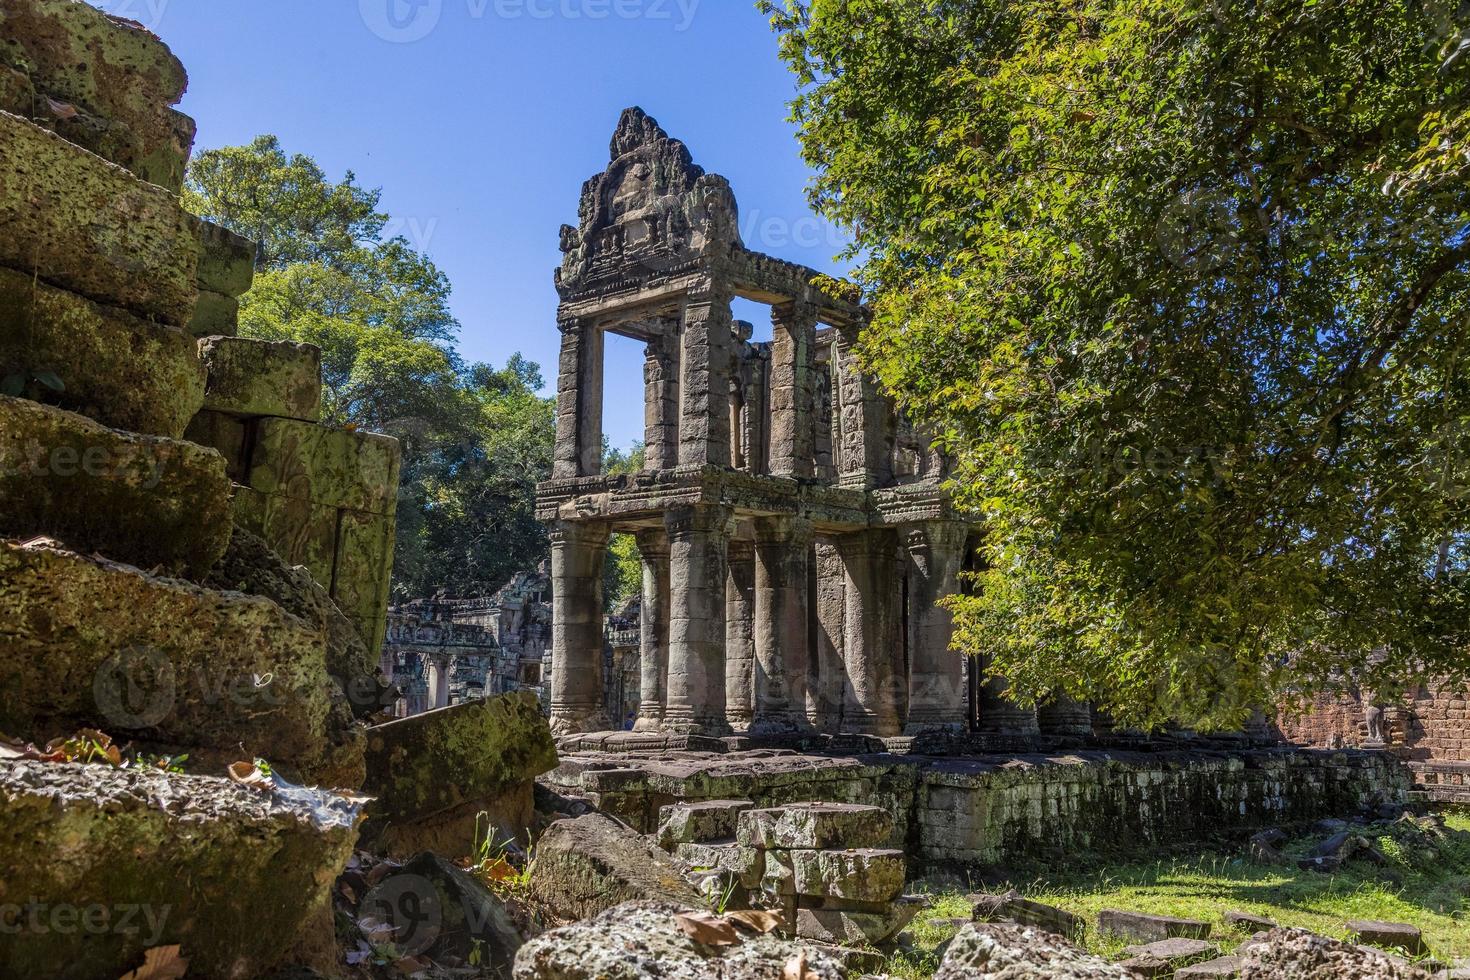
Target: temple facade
point(794, 534)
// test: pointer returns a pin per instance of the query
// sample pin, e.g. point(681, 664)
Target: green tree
point(623, 570)
point(1181, 286)
point(475, 439)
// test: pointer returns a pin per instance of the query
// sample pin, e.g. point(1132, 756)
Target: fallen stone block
point(643, 939)
point(701, 822)
point(588, 865)
point(92, 643)
point(143, 500)
point(1220, 968)
point(1388, 935)
point(746, 865)
point(120, 80)
point(114, 367)
point(1146, 967)
point(1303, 955)
point(80, 223)
point(1011, 907)
point(1248, 922)
point(1175, 952)
point(432, 775)
point(1149, 928)
point(333, 467)
point(844, 927)
point(258, 377)
point(1265, 847)
point(814, 826)
point(123, 860)
point(865, 875)
point(226, 260)
point(985, 950)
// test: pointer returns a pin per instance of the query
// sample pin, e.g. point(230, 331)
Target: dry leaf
point(249, 774)
point(761, 922)
point(61, 110)
point(160, 963)
point(410, 965)
point(499, 870)
point(707, 929)
point(796, 969)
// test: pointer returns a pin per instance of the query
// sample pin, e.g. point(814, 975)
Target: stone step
point(92, 643)
point(815, 826)
point(120, 370)
point(700, 822)
point(80, 223)
point(111, 862)
point(114, 83)
point(144, 500)
point(260, 378)
point(1141, 927)
point(865, 875)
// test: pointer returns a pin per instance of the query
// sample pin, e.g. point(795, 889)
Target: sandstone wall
point(1432, 725)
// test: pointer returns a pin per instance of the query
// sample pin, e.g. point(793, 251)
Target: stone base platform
point(998, 809)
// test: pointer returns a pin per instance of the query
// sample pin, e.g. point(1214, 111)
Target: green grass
point(1426, 883)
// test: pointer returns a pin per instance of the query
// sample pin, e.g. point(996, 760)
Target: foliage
point(476, 439)
point(1181, 286)
point(623, 569)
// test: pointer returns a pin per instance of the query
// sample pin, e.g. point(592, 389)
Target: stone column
point(827, 684)
point(999, 716)
point(438, 681)
point(740, 634)
point(704, 423)
point(1066, 717)
point(793, 419)
point(653, 624)
point(782, 624)
point(577, 555)
point(695, 703)
point(865, 434)
point(935, 554)
point(579, 401)
point(661, 400)
point(870, 637)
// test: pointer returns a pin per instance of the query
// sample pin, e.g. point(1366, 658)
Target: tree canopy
point(476, 439)
point(1181, 286)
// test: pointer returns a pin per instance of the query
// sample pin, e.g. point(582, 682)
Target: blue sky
point(480, 119)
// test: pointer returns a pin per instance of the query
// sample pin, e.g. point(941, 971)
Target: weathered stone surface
point(80, 223)
point(1248, 922)
point(117, 369)
point(700, 822)
point(1012, 952)
point(813, 826)
point(865, 875)
point(1388, 935)
point(226, 435)
point(234, 875)
point(333, 467)
point(301, 532)
point(643, 939)
point(443, 914)
point(1264, 847)
point(852, 927)
point(91, 643)
point(362, 570)
point(108, 82)
point(143, 500)
point(215, 315)
point(466, 755)
point(1175, 952)
point(1149, 928)
point(1220, 968)
point(1012, 907)
point(1292, 954)
point(588, 865)
point(747, 865)
point(226, 260)
point(258, 377)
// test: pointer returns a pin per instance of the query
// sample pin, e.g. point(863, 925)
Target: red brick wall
point(1433, 725)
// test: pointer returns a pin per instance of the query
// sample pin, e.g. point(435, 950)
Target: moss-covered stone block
point(91, 643)
point(227, 435)
point(226, 260)
point(333, 467)
point(234, 876)
point(143, 500)
point(301, 532)
point(80, 223)
point(815, 826)
point(260, 377)
point(363, 571)
point(431, 763)
point(109, 68)
point(215, 315)
point(116, 368)
point(17, 95)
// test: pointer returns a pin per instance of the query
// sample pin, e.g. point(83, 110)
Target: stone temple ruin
point(793, 531)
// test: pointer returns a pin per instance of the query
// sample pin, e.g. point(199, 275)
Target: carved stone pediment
point(652, 213)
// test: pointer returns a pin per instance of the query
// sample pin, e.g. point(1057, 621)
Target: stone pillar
point(793, 417)
point(935, 554)
point(438, 681)
point(577, 555)
point(1066, 717)
point(998, 716)
point(653, 624)
point(740, 599)
point(704, 423)
point(870, 636)
point(579, 401)
point(827, 683)
point(865, 436)
point(695, 703)
point(661, 400)
point(782, 624)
